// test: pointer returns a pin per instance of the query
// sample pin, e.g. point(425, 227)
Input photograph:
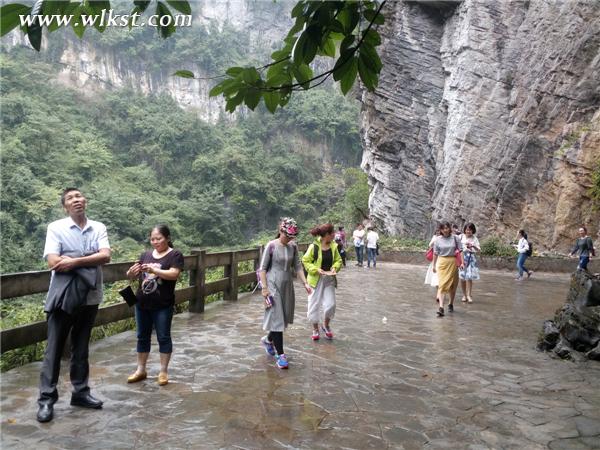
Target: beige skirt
point(447, 273)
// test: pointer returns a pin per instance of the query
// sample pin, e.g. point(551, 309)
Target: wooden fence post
point(198, 279)
point(231, 272)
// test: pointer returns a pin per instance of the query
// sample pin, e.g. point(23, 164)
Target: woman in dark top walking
point(585, 247)
point(157, 271)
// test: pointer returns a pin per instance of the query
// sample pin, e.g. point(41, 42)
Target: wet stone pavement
point(472, 379)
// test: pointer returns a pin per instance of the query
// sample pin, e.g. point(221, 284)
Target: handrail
point(14, 285)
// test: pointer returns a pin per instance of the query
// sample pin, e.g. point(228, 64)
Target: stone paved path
point(470, 380)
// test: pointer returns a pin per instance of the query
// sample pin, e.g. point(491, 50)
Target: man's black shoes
point(45, 413)
point(86, 401)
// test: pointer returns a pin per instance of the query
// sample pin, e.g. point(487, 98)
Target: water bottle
point(269, 301)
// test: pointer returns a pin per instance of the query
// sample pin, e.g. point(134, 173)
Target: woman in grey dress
point(279, 263)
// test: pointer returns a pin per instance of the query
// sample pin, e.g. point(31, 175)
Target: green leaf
point(271, 100)
point(250, 75)
point(96, 6)
point(347, 42)
point(298, 51)
point(9, 16)
point(347, 80)
point(164, 31)
point(252, 98)
point(234, 102)
point(277, 69)
point(328, 48)
point(184, 74)
point(373, 16)
point(371, 57)
point(181, 5)
point(278, 80)
point(142, 5)
point(34, 32)
point(298, 10)
point(336, 27)
point(372, 38)
point(342, 64)
point(77, 23)
point(280, 54)
point(303, 73)
point(234, 71)
point(216, 90)
point(368, 77)
point(298, 26)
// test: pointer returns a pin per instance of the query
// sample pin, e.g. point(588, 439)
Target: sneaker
point(440, 312)
point(328, 333)
point(315, 335)
point(269, 347)
point(450, 307)
point(282, 362)
point(519, 279)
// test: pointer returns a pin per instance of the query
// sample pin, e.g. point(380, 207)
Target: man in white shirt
point(72, 244)
point(358, 237)
point(372, 239)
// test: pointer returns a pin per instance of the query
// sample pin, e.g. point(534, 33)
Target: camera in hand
point(269, 301)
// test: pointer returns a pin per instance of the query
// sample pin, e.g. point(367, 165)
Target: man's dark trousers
point(59, 324)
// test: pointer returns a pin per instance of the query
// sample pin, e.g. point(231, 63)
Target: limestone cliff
point(486, 112)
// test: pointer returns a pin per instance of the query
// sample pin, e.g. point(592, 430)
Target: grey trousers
point(59, 324)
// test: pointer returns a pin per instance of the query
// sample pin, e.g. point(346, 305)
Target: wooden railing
point(26, 283)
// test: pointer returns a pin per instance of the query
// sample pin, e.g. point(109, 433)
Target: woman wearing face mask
point(322, 261)
point(157, 270)
point(447, 249)
point(279, 262)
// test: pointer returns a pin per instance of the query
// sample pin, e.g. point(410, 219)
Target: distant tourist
point(447, 252)
point(340, 240)
point(524, 250)
point(358, 236)
point(75, 250)
point(372, 240)
point(322, 261)
point(585, 247)
point(456, 230)
point(431, 278)
point(470, 271)
point(279, 262)
point(157, 271)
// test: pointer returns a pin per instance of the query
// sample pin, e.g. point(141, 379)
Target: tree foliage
point(143, 160)
point(341, 30)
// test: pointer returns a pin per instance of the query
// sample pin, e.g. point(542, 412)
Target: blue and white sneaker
point(269, 347)
point(282, 362)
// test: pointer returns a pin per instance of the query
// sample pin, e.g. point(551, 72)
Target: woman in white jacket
point(522, 247)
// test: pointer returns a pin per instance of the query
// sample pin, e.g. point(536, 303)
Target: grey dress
point(280, 264)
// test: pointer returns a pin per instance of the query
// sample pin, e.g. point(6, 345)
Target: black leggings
point(276, 337)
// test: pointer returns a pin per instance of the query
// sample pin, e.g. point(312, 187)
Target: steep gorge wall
point(486, 112)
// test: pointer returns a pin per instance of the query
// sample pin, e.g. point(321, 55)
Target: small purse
point(457, 255)
point(128, 295)
point(429, 254)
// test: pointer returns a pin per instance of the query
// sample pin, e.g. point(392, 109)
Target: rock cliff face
point(486, 112)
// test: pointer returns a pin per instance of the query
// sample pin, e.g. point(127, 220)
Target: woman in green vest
point(322, 262)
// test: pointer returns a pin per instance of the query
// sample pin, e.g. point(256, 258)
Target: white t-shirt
point(372, 238)
point(358, 236)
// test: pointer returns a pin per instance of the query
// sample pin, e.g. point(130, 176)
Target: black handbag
point(128, 295)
